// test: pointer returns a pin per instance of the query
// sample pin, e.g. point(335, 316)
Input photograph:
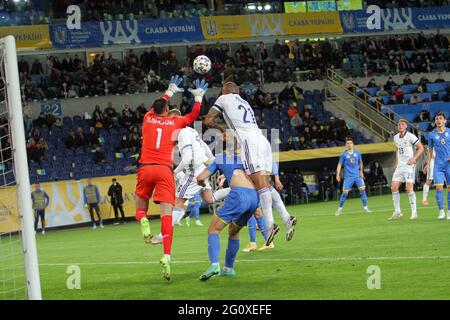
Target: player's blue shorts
point(441, 173)
point(350, 181)
point(239, 206)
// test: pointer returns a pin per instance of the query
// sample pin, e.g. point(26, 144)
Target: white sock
point(265, 197)
point(221, 194)
point(412, 202)
point(396, 198)
point(426, 189)
point(279, 206)
point(177, 215)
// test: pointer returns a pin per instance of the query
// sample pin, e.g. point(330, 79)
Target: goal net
point(19, 273)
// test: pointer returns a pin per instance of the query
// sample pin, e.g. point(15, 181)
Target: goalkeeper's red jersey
point(159, 136)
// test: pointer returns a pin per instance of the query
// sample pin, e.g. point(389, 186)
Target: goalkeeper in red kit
point(155, 175)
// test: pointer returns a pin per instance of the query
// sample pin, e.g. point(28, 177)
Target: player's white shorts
point(188, 186)
point(256, 154)
point(430, 171)
point(405, 173)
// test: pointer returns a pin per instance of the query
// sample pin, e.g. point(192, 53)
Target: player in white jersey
point(256, 152)
point(405, 172)
point(429, 182)
point(194, 155)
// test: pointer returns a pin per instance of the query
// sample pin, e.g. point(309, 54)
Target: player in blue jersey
point(351, 160)
point(237, 209)
point(194, 210)
point(439, 143)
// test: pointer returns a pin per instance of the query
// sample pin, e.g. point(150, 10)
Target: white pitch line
point(256, 260)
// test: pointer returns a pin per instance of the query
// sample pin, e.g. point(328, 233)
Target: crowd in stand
point(298, 61)
point(407, 53)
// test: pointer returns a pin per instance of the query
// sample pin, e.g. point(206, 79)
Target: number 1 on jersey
point(158, 138)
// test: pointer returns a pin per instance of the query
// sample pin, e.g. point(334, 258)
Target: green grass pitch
point(328, 258)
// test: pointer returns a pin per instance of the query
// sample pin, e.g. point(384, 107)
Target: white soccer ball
point(202, 64)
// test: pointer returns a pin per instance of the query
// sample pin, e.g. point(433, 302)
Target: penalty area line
point(250, 261)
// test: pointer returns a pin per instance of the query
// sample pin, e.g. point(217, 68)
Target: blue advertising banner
point(395, 19)
point(126, 32)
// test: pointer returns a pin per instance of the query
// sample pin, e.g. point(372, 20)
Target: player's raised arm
point(200, 89)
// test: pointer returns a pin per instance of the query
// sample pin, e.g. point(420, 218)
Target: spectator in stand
point(304, 144)
point(92, 138)
point(110, 111)
point(99, 156)
point(376, 175)
point(372, 83)
point(407, 80)
point(36, 68)
point(80, 139)
point(292, 111)
point(24, 67)
point(423, 116)
point(399, 95)
point(326, 185)
point(49, 119)
point(97, 117)
point(70, 140)
point(33, 152)
point(414, 99)
point(389, 84)
point(439, 78)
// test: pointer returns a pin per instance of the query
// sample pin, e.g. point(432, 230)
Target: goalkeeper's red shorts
point(156, 180)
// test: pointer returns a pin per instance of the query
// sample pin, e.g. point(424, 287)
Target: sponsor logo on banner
point(120, 32)
point(266, 25)
point(28, 37)
point(127, 32)
point(397, 19)
point(211, 27)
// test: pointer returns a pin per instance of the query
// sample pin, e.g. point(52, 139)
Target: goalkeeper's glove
point(173, 88)
point(200, 89)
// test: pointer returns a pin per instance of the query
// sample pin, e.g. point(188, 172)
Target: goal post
point(14, 115)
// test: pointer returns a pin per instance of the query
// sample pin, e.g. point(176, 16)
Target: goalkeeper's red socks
point(167, 233)
point(140, 213)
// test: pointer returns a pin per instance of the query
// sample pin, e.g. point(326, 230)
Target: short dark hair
point(440, 114)
point(114, 179)
point(349, 139)
point(159, 106)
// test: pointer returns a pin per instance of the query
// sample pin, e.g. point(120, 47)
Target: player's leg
point(362, 190)
point(179, 211)
point(232, 250)
point(248, 202)
point(216, 226)
point(412, 199)
point(219, 195)
point(251, 225)
point(439, 179)
point(397, 179)
point(195, 212)
point(288, 220)
point(144, 190)
point(347, 185)
point(428, 183)
point(165, 196)
point(447, 179)
point(425, 191)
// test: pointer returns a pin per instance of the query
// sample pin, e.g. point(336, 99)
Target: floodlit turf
point(328, 258)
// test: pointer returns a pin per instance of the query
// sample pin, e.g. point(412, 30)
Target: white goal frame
point(13, 103)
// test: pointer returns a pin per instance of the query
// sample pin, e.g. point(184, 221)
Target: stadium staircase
point(339, 95)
